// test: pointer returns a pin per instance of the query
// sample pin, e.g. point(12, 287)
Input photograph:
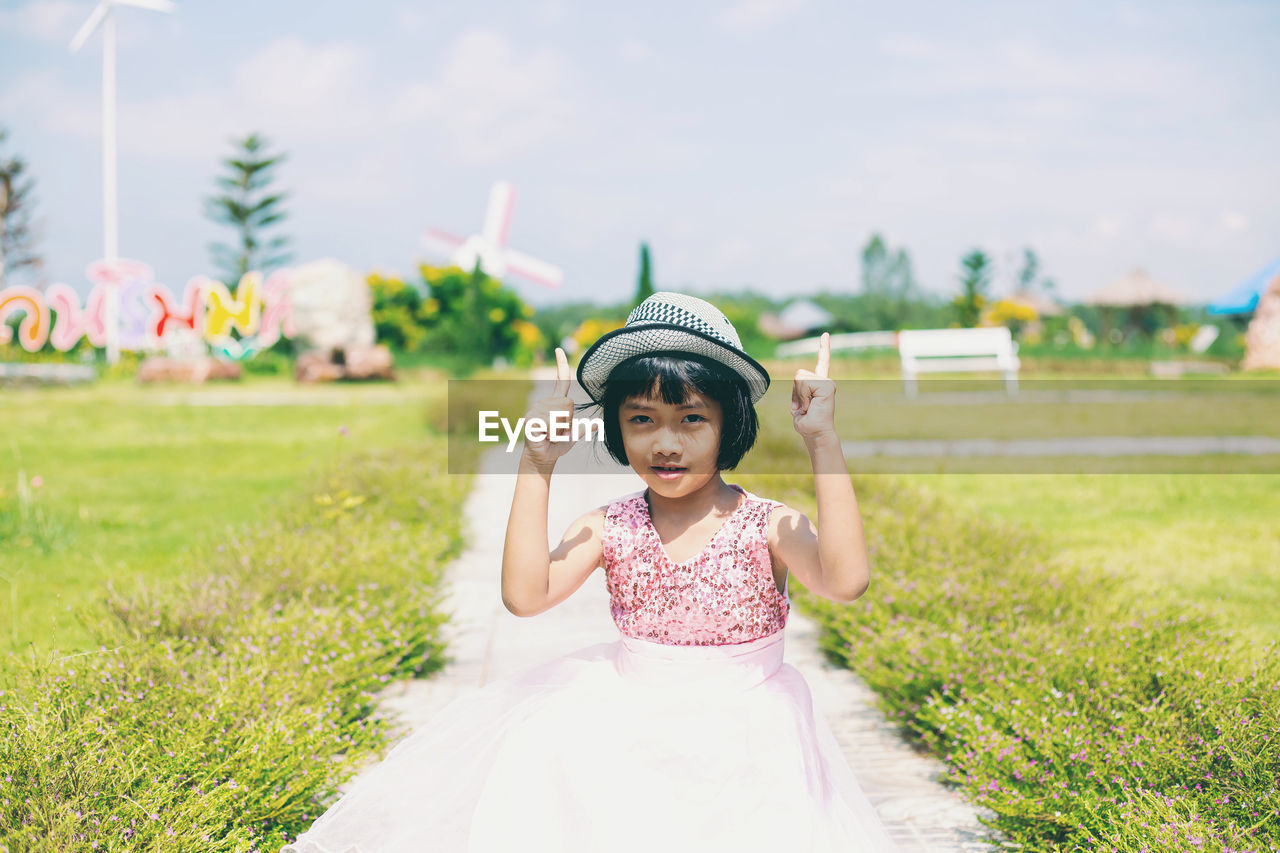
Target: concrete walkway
point(488, 643)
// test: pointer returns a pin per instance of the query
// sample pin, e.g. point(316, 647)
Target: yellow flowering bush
point(1080, 333)
point(529, 342)
point(461, 313)
point(1011, 313)
point(590, 329)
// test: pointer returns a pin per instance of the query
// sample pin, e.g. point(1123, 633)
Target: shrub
point(222, 711)
point(1082, 720)
point(454, 312)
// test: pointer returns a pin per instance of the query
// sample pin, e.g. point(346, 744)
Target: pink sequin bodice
point(724, 595)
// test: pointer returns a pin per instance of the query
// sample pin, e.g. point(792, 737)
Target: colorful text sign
point(147, 311)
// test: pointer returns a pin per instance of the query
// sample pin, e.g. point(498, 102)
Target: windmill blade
point(435, 238)
point(153, 5)
point(498, 216)
point(542, 272)
point(89, 26)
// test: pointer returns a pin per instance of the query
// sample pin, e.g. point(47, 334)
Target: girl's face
point(672, 447)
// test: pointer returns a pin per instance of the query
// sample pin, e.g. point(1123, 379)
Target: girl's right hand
point(543, 453)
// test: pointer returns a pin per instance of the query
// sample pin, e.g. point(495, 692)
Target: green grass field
point(1190, 528)
point(1177, 537)
point(215, 490)
point(136, 480)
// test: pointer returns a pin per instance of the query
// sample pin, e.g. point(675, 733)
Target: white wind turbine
point(102, 15)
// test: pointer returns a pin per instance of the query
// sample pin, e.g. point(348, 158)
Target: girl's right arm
point(533, 578)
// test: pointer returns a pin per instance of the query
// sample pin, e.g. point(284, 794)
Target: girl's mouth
point(668, 472)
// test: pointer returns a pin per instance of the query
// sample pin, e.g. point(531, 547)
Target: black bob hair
point(676, 374)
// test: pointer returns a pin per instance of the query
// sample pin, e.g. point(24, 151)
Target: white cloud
point(1172, 227)
point(412, 19)
point(731, 254)
point(908, 47)
point(1233, 221)
point(489, 101)
point(1128, 16)
point(370, 177)
point(307, 88)
point(1109, 225)
point(551, 10)
point(750, 15)
point(634, 50)
point(49, 21)
point(1024, 66)
point(43, 93)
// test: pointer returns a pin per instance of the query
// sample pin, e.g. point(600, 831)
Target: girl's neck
point(715, 497)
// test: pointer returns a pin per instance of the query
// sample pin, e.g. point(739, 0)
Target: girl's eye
point(635, 419)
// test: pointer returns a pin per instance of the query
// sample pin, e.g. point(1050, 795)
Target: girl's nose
point(665, 442)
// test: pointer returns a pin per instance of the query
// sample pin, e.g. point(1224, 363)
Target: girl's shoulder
point(769, 505)
point(780, 516)
point(625, 505)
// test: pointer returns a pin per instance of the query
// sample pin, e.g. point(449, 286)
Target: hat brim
point(613, 348)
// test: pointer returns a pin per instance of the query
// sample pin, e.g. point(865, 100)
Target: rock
point(332, 306)
point(1262, 338)
point(357, 362)
point(368, 362)
point(317, 366)
point(192, 371)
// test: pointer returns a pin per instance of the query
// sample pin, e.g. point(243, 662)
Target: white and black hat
point(671, 323)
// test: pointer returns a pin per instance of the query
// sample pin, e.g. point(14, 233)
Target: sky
point(753, 144)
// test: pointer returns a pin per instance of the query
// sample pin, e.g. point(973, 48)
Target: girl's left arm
point(832, 559)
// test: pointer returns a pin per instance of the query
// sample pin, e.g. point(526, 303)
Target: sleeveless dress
point(686, 733)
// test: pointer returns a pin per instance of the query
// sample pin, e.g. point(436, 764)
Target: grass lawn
point(1190, 535)
point(1177, 537)
point(966, 626)
point(135, 480)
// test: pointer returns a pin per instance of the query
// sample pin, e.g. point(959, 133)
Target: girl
point(687, 732)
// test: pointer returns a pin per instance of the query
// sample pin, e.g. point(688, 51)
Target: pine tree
point(975, 278)
point(644, 287)
point(247, 205)
point(17, 250)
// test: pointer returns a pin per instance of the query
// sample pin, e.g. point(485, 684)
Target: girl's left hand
point(813, 396)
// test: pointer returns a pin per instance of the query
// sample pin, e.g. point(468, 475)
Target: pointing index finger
point(824, 355)
point(562, 374)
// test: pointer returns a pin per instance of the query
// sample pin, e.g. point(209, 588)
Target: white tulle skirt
point(623, 746)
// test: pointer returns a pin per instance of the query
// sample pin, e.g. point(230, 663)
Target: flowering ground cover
point(1174, 538)
point(206, 706)
point(1085, 717)
point(219, 708)
point(1095, 657)
point(126, 483)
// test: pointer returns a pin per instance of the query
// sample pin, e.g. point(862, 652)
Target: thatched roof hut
point(798, 319)
point(1135, 288)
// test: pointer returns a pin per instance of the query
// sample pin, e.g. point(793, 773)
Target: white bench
point(947, 350)
point(842, 341)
